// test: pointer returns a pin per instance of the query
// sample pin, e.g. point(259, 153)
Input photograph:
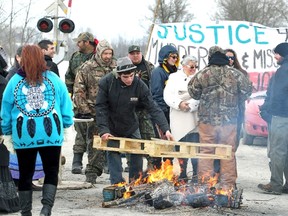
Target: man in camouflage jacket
point(86, 44)
point(85, 91)
point(220, 89)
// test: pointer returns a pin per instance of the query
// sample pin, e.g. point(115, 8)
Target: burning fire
point(166, 172)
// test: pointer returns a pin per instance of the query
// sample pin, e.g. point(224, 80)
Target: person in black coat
point(9, 200)
point(120, 92)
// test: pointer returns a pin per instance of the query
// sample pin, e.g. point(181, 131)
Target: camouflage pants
point(147, 132)
point(84, 143)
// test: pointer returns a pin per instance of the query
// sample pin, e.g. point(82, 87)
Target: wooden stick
point(121, 201)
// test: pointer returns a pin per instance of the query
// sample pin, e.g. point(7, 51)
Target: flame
point(165, 172)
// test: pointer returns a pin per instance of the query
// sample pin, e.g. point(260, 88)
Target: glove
point(69, 134)
point(8, 142)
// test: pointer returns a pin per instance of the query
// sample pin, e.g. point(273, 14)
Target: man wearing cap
point(87, 45)
point(85, 91)
point(220, 89)
point(143, 71)
point(120, 92)
point(278, 136)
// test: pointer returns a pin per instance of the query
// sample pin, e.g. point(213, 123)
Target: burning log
point(121, 201)
point(199, 200)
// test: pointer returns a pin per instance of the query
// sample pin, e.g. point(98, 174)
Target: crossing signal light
point(44, 25)
point(66, 26)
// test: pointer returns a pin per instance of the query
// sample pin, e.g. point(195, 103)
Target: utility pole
point(54, 10)
point(155, 15)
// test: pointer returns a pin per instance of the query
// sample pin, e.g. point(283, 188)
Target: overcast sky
point(108, 19)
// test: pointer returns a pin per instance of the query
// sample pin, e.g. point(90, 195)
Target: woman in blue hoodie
point(36, 113)
point(169, 61)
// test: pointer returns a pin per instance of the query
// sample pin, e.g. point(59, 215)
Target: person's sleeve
point(102, 106)
point(153, 109)
point(170, 95)
point(80, 92)
point(157, 88)
point(245, 87)
point(65, 105)
point(195, 88)
point(69, 78)
point(6, 109)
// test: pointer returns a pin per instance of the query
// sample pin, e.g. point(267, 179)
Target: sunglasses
point(174, 56)
point(231, 57)
point(192, 67)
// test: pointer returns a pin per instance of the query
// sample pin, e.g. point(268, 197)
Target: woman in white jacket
point(183, 110)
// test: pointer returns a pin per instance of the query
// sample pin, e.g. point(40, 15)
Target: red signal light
point(44, 25)
point(66, 26)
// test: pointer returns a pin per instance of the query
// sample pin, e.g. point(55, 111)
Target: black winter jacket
point(116, 103)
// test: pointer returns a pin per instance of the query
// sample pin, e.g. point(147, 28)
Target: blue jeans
point(115, 162)
point(191, 137)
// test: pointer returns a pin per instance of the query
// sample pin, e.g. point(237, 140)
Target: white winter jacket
point(181, 123)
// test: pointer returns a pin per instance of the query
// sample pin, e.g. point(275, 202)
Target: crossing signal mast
point(65, 25)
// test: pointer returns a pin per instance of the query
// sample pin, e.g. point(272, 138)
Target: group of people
point(131, 98)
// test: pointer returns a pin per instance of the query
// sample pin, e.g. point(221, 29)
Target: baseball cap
point(134, 48)
point(84, 36)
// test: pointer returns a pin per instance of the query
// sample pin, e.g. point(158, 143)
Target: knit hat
point(282, 49)
point(125, 64)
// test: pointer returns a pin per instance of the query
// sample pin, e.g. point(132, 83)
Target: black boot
point(48, 197)
point(25, 198)
point(77, 163)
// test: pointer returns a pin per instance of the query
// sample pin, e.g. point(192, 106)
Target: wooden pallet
point(164, 148)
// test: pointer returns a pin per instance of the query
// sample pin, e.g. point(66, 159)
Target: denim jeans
point(191, 137)
point(115, 162)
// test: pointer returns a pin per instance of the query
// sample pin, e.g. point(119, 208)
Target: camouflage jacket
point(86, 85)
point(77, 59)
point(220, 90)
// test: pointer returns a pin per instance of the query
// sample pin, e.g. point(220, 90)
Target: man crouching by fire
point(220, 89)
point(119, 93)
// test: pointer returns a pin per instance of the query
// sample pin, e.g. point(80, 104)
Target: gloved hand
point(69, 134)
point(8, 142)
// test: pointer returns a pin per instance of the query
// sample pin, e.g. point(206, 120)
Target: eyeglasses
point(192, 67)
point(174, 56)
point(231, 57)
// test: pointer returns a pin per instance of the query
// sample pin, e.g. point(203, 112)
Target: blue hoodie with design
point(36, 115)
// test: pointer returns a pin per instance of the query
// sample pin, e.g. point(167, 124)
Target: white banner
point(252, 42)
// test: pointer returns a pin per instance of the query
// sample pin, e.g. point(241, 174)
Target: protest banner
point(253, 43)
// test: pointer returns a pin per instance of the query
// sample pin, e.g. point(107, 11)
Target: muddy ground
point(252, 169)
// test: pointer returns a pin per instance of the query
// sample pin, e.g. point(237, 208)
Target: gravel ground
point(87, 199)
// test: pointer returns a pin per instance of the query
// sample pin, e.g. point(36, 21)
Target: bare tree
point(272, 13)
point(171, 11)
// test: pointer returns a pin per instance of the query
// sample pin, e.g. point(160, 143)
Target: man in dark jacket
point(278, 136)
point(120, 92)
point(48, 49)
